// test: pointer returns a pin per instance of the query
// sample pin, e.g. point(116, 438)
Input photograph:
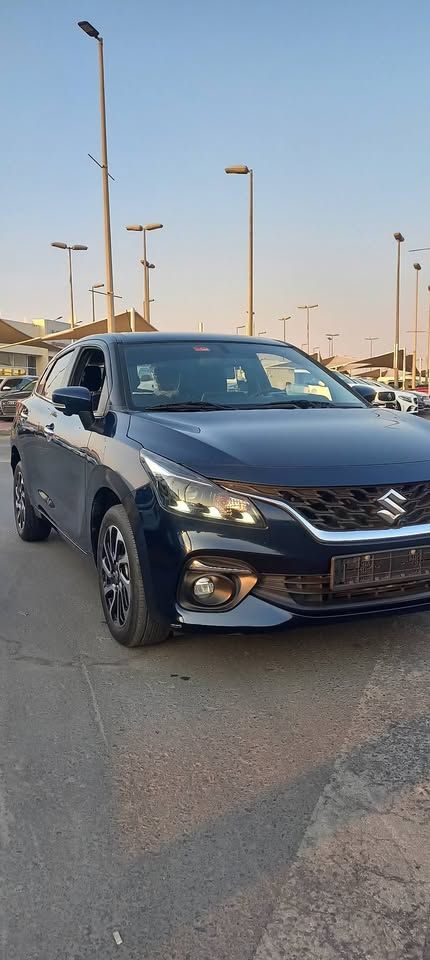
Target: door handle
point(49, 429)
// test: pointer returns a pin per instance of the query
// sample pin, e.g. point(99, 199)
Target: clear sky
point(327, 101)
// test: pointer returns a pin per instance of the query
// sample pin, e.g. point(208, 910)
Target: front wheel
point(30, 527)
point(121, 584)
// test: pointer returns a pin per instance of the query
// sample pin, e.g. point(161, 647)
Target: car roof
point(157, 337)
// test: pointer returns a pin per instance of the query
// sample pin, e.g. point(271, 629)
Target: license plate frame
point(375, 568)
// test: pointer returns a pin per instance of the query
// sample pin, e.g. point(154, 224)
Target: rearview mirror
point(73, 401)
point(364, 390)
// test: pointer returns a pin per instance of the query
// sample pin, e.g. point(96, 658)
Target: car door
point(32, 417)
point(60, 451)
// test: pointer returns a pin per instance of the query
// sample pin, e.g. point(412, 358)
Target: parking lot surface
point(217, 797)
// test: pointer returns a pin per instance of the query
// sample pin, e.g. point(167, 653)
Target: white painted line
point(360, 885)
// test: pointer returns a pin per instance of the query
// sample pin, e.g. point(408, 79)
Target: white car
point(408, 402)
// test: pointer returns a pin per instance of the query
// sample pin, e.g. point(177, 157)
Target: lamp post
point(95, 286)
point(399, 239)
point(241, 326)
point(330, 338)
point(372, 341)
point(417, 268)
point(244, 170)
point(92, 32)
point(146, 268)
point(308, 307)
point(145, 228)
point(428, 346)
point(283, 320)
point(69, 248)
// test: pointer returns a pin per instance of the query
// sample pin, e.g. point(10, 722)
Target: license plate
point(389, 566)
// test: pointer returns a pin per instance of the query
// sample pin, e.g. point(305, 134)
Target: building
point(28, 347)
point(18, 359)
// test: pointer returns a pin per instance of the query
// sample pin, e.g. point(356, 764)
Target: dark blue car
point(223, 482)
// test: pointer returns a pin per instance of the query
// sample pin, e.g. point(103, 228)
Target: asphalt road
point(217, 798)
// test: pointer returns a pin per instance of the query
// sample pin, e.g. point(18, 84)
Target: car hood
point(306, 447)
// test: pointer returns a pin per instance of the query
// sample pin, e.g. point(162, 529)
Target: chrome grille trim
point(342, 536)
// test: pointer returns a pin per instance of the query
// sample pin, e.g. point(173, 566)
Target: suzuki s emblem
point(392, 508)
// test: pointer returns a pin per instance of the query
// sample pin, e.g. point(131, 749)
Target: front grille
point(347, 508)
point(313, 590)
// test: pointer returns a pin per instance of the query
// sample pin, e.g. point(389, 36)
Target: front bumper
point(168, 544)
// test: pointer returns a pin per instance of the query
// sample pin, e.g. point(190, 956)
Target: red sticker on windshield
point(201, 349)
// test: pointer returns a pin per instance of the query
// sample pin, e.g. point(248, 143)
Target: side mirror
point(365, 391)
point(73, 401)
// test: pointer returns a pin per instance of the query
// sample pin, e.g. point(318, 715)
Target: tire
point(121, 585)
point(29, 526)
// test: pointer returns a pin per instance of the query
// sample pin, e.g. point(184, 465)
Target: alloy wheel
point(20, 501)
point(115, 573)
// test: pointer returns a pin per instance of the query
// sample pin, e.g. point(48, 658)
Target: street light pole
point(372, 340)
point(330, 338)
point(140, 228)
point(417, 268)
point(146, 295)
point(308, 307)
point(400, 239)
point(242, 326)
point(243, 169)
point(95, 286)
point(92, 32)
point(70, 248)
point(283, 320)
point(428, 347)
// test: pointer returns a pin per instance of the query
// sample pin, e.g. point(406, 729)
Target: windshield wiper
point(304, 404)
point(183, 407)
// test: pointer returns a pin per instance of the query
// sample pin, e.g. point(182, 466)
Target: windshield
point(227, 374)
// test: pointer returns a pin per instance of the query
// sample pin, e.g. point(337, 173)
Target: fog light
point(213, 590)
point(215, 582)
point(203, 587)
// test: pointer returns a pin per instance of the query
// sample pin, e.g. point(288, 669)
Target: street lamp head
point(135, 226)
point(153, 226)
point(398, 237)
point(96, 286)
point(61, 246)
point(417, 266)
point(79, 246)
point(241, 168)
point(88, 29)
point(150, 266)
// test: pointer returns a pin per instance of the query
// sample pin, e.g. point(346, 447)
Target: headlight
point(181, 491)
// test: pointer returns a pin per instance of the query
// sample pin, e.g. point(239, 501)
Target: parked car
point(208, 508)
point(378, 395)
point(405, 400)
point(14, 383)
point(423, 401)
point(387, 396)
point(9, 400)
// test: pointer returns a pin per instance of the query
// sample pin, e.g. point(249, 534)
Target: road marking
point(360, 885)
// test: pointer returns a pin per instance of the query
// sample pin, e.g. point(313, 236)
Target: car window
point(58, 374)
point(11, 383)
point(231, 373)
point(90, 372)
